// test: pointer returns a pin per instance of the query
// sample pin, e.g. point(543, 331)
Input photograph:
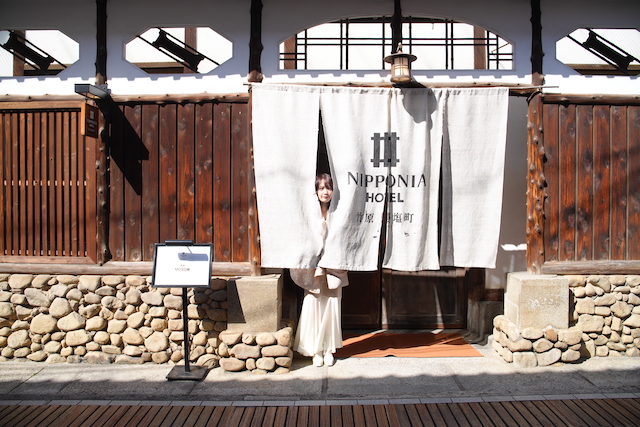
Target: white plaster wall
point(282, 18)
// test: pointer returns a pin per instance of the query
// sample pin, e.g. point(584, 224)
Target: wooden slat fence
point(181, 171)
point(47, 199)
point(592, 170)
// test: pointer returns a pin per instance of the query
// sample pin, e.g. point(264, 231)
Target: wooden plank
point(186, 179)
point(14, 196)
point(31, 415)
point(258, 416)
point(126, 415)
point(222, 183)
point(502, 413)
point(210, 417)
point(587, 413)
point(347, 416)
point(48, 416)
point(325, 416)
point(335, 418)
point(64, 183)
point(565, 413)
point(101, 415)
point(132, 184)
point(633, 123)
point(601, 182)
point(491, 413)
point(381, 415)
point(122, 411)
point(472, 416)
point(171, 416)
point(168, 215)
point(566, 154)
point(37, 178)
point(150, 179)
point(280, 419)
point(235, 416)
point(204, 173)
point(392, 415)
point(292, 416)
point(16, 415)
point(116, 190)
point(45, 178)
point(434, 414)
point(413, 418)
point(22, 214)
point(303, 416)
point(584, 183)
point(513, 411)
point(609, 410)
point(369, 415)
point(91, 201)
point(247, 417)
point(241, 170)
point(542, 414)
point(4, 129)
point(81, 415)
point(632, 406)
point(149, 415)
point(619, 171)
point(452, 415)
point(524, 412)
point(269, 416)
point(133, 416)
point(28, 185)
point(75, 217)
point(314, 416)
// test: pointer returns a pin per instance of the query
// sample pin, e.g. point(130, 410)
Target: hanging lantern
point(400, 65)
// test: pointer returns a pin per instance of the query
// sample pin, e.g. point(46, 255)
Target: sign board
point(90, 120)
point(186, 266)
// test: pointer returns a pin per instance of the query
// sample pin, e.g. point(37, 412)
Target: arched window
point(362, 43)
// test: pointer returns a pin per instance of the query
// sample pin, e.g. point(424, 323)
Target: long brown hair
point(326, 178)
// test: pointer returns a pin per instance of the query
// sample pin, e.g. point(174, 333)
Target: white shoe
point(328, 358)
point(317, 360)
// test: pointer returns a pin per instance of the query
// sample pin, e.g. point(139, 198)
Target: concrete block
point(255, 304)
point(537, 300)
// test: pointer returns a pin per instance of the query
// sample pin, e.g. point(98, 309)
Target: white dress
point(320, 323)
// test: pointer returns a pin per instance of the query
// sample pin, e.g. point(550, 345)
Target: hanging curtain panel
point(475, 131)
point(285, 137)
point(356, 122)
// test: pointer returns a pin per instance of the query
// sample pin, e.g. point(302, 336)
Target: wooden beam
point(591, 267)
point(117, 268)
point(255, 42)
point(552, 98)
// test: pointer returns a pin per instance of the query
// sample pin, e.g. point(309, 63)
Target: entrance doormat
point(383, 344)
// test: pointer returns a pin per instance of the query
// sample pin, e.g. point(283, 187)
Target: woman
point(319, 331)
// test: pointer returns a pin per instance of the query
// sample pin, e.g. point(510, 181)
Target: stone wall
point(120, 319)
point(604, 321)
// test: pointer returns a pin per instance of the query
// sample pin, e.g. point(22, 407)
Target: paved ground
point(349, 381)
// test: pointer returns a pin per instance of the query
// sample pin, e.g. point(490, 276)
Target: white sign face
point(182, 266)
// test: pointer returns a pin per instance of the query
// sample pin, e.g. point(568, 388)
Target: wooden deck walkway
point(588, 412)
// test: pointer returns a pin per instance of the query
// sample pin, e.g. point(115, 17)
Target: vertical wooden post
point(102, 157)
point(535, 151)
point(396, 26)
point(255, 42)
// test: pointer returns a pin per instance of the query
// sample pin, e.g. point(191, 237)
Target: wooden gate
point(47, 200)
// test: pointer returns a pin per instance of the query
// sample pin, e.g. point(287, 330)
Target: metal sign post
point(182, 264)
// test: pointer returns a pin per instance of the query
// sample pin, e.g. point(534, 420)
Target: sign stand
point(180, 263)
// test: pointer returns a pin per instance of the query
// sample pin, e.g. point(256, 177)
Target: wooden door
point(405, 300)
